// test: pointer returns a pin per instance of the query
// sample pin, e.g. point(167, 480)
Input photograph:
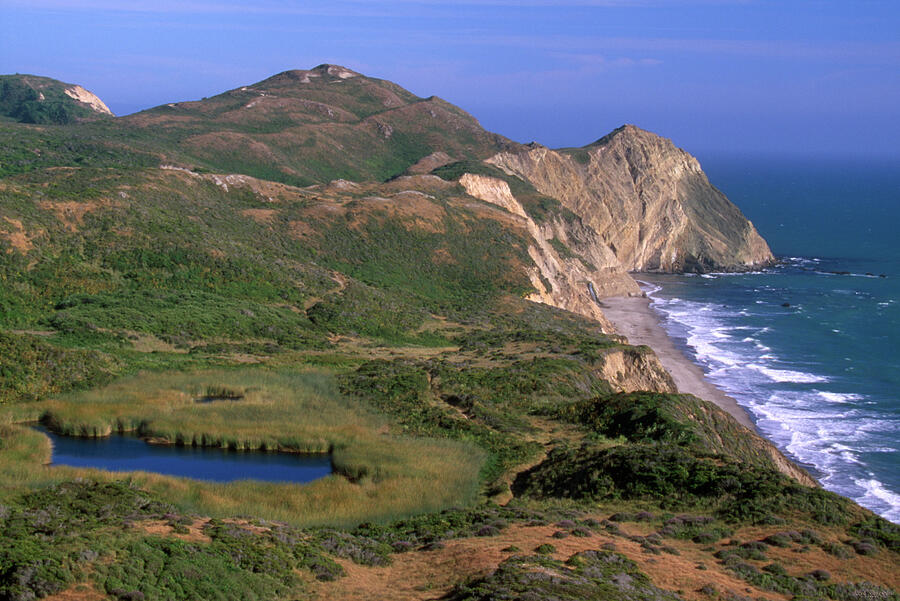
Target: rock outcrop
point(34, 99)
point(572, 266)
point(629, 370)
point(89, 98)
point(648, 200)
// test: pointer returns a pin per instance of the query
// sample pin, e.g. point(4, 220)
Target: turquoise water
point(820, 376)
point(127, 454)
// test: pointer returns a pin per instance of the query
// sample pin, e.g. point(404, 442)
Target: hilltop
point(324, 262)
point(304, 127)
point(33, 99)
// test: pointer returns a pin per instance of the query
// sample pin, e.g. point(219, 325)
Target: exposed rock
point(85, 97)
point(492, 190)
point(629, 370)
point(566, 282)
point(649, 201)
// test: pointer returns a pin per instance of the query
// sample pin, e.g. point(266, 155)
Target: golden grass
point(390, 476)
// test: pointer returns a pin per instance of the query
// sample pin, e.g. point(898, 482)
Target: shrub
point(779, 539)
point(837, 549)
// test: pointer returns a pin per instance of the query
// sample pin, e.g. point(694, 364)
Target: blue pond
point(127, 453)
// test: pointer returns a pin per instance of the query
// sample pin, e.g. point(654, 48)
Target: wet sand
point(633, 318)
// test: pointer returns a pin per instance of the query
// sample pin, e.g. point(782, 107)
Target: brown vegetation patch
point(300, 229)
point(18, 238)
point(148, 343)
point(83, 591)
point(275, 192)
point(413, 209)
point(262, 216)
point(430, 163)
point(70, 213)
point(880, 568)
point(421, 183)
point(442, 257)
point(429, 575)
point(162, 528)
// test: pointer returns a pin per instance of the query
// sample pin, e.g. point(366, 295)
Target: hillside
point(303, 127)
point(428, 319)
point(33, 99)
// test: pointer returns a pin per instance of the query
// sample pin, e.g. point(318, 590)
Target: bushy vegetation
point(597, 575)
point(672, 419)
point(673, 477)
point(364, 310)
point(32, 369)
point(30, 99)
point(400, 389)
point(812, 585)
point(49, 538)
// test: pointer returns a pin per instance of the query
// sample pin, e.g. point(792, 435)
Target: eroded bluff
point(648, 200)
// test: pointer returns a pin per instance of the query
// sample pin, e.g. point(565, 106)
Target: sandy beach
point(633, 318)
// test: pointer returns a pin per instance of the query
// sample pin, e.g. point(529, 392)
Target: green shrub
point(600, 575)
point(673, 477)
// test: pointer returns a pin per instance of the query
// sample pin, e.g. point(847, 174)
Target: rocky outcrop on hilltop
point(648, 200)
point(83, 96)
point(34, 99)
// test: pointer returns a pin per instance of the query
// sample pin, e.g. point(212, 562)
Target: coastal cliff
point(571, 265)
point(648, 200)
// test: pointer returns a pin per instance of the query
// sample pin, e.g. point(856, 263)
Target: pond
point(123, 453)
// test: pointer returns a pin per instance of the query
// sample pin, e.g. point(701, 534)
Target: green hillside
point(41, 100)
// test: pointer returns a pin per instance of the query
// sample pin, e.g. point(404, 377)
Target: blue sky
point(716, 76)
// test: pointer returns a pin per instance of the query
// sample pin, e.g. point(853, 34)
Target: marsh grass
point(378, 476)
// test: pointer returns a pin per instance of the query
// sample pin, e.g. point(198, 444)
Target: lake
point(123, 453)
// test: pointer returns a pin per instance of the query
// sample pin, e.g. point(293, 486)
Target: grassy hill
point(479, 450)
point(41, 100)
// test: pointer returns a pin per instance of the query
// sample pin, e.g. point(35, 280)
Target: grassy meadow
point(380, 473)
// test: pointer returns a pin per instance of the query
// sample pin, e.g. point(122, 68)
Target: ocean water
point(811, 347)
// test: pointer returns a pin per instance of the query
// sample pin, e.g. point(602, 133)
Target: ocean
point(811, 347)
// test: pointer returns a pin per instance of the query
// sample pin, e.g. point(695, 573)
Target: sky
point(718, 77)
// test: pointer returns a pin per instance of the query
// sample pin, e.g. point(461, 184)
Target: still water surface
point(118, 453)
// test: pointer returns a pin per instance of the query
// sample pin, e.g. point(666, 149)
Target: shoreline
point(633, 318)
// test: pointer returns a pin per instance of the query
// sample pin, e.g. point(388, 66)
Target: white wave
point(830, 432)
point(787, 375)
point(877, 494)
point(839, 397)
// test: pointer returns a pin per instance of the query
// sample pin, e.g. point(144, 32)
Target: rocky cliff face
point(89, 98)
point(631, 369)
point(648, 200)
point(572, 266)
